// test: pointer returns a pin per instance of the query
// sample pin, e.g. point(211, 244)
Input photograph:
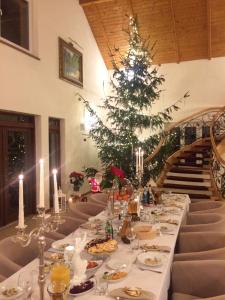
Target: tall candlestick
point(21, 204)
point(56, 198)
point(139, 159)
point(41, 185)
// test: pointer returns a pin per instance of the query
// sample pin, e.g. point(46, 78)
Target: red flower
point(117, 172)
point(76, 174)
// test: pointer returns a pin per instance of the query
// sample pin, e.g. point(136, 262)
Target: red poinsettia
point(117, 172)
point(76, 179)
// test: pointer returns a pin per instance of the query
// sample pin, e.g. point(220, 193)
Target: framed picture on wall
point(70, 63)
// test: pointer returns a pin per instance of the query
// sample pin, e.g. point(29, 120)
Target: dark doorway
point(54, 153)
point(190, 135)
point(17, 156)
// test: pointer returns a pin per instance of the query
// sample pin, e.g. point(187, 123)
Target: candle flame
point(54, 171)
point(21, 177)
point(41, 161)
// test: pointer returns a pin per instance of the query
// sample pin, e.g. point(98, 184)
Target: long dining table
point(147, 279)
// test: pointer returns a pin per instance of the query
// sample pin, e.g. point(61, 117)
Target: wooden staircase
point(188, 171)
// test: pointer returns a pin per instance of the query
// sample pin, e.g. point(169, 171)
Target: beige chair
point(75, 213)
point(98, 198)
point(204, 222)
point(7, 267)
point(70, 225)
point(198, 280)
point(18, 254)
point(207, 207)
point(92, 209)
point(200, 241)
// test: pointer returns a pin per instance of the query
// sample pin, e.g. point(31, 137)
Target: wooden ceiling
point(182, 29)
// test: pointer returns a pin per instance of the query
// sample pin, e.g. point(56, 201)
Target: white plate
point(58, 245)
point(117, 263)
point(143, 256)
point(20, 293)
point(165, 227)
point(80, 294)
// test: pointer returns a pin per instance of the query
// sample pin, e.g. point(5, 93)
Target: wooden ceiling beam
point(175, 32)
point(90, 2)
point(209, 27)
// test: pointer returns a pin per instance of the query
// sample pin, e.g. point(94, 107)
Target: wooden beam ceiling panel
point(183, 29)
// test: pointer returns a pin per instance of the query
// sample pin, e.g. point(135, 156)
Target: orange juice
point(60, 274)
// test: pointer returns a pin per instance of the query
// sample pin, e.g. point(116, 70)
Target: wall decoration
point(70, 63)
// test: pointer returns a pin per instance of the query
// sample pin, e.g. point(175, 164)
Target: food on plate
point(54, 256)
point(150, 247)
point(143, 228)
point(133, 291)
point(63, 246)
point(82, 287)
point(10, 292)
point(115, 275)
point(152, 261)
point(92, 264)
point(103, 247)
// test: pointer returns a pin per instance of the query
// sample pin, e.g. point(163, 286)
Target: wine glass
point(131, 235)
point(27, 281)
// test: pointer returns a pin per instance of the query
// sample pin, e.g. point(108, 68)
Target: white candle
point(21, 204)
point(56, 198)
point(139, 159)
point(137, 162)
point(41, 185)
point(142, 161)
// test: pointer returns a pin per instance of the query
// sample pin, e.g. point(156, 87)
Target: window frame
point(31, 49)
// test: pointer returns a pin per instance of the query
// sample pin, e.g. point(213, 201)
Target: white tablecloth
point(147, 280)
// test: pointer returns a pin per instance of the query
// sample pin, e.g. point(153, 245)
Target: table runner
point(147, 280)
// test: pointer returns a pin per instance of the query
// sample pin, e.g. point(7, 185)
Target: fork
point(155, 271)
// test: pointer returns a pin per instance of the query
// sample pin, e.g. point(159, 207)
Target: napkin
point(145, 295)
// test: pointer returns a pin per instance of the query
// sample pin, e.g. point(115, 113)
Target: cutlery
point(167, 233)
point(155, 271)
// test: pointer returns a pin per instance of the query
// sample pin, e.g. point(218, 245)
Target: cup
point(57, 290)
point(101, 287)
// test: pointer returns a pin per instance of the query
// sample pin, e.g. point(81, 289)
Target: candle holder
point(47, 223)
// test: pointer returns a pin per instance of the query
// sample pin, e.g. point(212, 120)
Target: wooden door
point(16, 156)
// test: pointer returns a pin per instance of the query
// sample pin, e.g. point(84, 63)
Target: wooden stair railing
point(214, 120)
point(217, 133)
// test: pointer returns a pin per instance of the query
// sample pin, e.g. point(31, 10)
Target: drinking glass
point(60, 274)
point(27, 281)
point(131, 235)
point(57, 291)
point(101, 288)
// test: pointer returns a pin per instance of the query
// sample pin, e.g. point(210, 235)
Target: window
point(14, 22)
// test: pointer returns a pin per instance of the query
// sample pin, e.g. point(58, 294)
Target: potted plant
point(76, 179)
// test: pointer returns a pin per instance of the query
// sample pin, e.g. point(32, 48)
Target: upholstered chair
point(91, 209)
point(70, 225)
point(204, 222)
point(198, 280)
point(207, 207)
point(200, 241)
point(18, 254)
point(98, 198)
point(7, 267)
point(74, 212)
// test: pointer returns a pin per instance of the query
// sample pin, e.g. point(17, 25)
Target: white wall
point(204, 79)
point(31, 86)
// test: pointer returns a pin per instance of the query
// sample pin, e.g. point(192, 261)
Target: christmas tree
point(135, 88)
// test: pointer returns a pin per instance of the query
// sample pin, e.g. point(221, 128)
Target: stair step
point(188, 170)
point(199, 197)
point(183, 178)
point(187, 183)
point(194, 175)
point(187, 191)
point(191, 164)
point(184, 186)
